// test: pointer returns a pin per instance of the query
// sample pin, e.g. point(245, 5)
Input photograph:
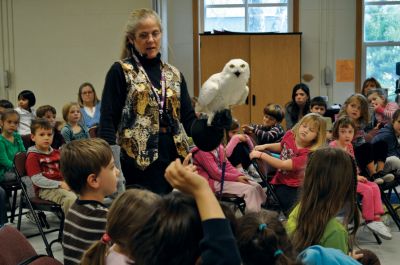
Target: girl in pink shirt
point(209, 165)
point(306, 136)
point(383, 109)
point(372, 209)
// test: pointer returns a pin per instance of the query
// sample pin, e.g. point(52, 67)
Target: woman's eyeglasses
point(146, 35)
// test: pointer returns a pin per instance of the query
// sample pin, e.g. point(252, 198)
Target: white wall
point(180, 38)
point(60, 44)
point(328, 35)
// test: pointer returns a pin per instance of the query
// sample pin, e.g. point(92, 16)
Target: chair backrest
point(15, 248)
point(19, 164)
point(27, 141)
point(93, 132)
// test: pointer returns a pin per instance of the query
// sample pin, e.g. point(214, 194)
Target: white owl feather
point(225, 89)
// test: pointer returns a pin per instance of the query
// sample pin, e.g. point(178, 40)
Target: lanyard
point(160, 101)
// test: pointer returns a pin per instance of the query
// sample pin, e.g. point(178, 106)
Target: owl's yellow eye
point(231, 66)
point(242, 65)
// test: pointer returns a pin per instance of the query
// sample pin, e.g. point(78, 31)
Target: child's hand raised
point(187, 163)
point(185, 179)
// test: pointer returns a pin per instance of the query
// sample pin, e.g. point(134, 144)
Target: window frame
point(366, 44)
point(246, 6)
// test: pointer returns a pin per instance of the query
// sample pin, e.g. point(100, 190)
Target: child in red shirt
point(305, 137)
point(43, 167)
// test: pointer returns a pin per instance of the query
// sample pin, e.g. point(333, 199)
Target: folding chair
point(27, 141)
point(11, 187)
point(273, 202)
point(16, 249)
point(93, 132)
point(34, 204)
point(387, 189)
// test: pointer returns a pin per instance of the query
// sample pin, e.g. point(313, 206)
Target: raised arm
point(218, 246)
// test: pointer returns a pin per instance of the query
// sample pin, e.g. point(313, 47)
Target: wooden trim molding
point(359, 41)
point(296, 26)
point(196, 48)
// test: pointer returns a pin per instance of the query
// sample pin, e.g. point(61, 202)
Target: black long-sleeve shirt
point(218, 246)
point(115, 93)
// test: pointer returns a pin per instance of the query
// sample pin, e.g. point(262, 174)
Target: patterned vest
point(139, 127)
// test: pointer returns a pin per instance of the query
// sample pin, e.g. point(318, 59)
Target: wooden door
point(275, 70)
point(215, 52)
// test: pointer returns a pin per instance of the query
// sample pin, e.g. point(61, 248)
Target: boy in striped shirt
point(88, 167)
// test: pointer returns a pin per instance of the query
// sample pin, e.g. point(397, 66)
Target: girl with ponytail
point(126, 217)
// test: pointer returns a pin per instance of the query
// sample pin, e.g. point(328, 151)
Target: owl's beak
point(237, 73)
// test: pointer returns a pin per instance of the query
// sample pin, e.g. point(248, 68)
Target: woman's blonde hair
point(126, 217)
point(318, 123)
point(134, 20)
point(364, 113)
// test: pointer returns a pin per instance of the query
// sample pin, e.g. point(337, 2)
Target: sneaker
point(380, 177)
point(379, 181)
point(388, 177)
point(381, 229)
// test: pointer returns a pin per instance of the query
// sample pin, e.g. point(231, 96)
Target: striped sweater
point(85, 223)
point(269, 135)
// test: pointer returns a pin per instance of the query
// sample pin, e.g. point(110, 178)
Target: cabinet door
point(215, 52)
point(275, 70)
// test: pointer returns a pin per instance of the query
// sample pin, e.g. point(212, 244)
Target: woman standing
point(146, 106)
point(90, 105)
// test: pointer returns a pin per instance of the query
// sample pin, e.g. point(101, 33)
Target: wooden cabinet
point(274, 61)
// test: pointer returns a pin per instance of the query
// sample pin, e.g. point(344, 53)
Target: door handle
point(254, 100)
point(247, 100)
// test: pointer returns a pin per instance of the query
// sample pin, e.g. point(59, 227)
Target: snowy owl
point(225, 89)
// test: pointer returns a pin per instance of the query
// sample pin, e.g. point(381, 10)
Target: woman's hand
point(184, 179)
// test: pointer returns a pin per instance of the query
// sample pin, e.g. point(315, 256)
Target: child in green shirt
point(10, 144)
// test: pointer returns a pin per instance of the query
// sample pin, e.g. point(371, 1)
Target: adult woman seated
point(90, 105)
